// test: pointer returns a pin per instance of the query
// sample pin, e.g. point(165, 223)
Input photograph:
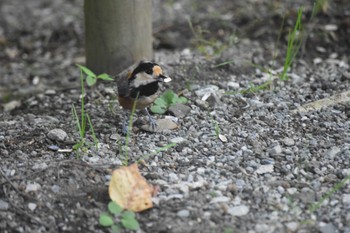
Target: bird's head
point(146, 71)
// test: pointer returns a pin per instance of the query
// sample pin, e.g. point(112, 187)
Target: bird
point(140, 83)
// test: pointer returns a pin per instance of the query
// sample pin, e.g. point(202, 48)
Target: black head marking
point(146, 67)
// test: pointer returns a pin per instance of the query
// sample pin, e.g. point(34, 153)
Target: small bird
point(140, 83)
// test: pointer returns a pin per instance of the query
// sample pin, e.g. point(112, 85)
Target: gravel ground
point(252, 162)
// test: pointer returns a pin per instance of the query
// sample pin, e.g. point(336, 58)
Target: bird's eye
point(149, 71)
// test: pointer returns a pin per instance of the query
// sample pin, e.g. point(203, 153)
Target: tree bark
point(118, 33)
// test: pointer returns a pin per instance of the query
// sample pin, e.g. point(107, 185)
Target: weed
point(127, 137)
point(90, 78)
point(163, 102)
point(117, 218)
point(317, 205)
point(294, 43)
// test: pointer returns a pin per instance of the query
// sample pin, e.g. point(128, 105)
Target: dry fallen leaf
point(130, 190)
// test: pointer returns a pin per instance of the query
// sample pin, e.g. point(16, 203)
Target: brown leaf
point(130, 190)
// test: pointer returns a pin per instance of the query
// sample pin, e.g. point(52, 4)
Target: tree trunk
point(118, 33)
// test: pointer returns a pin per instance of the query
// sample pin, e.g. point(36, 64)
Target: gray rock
point(179, 110)
point(4, 205)
point(183, 213)
point(288, 141)
point(207, 89)
point(220, 199)
point(292, 226)
point(276, 150)
point(265, 169)
point(11, 105)
point(32, 206)
point(238, 210)
point(307, 196)
point(178, 140)
point(57, 135)
point(346, 198)
point(328, 228)
point(32, 187)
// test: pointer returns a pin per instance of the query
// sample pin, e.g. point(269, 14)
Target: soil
point(247, 159)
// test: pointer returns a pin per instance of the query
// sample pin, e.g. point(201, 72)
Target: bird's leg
point(125, 127)
point(152, 122)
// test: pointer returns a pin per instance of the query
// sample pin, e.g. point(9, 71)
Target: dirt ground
point(283, 168)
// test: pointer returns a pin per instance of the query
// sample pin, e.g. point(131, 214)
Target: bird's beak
point(164, 78)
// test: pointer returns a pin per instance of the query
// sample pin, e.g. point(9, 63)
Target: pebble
point(233, 85)
point(178, 140)
point(8, 107)
point(332, 152)
point(207, 89)
point(238, 210)
point(292, 226)
point(4, 205)
point(346, 198)
point(223, 138)
point(173, 177)
point(32, 187)
point(57, 135)
point(219, 199)
point(115, 137)
point(288, 141)
point(179, 110)
point(292, 191)
point(32, 206)
point(201, 170)
point(55, 188)
point(265, 169)
point(307, 196)
point(40, 166)
point(276, 150)
point(328, 228)
point(183, 213)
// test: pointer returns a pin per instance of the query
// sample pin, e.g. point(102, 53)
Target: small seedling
point(294, 43)
point(91, 77)
point(86, 75)
point(117, 218)
point(167, 99)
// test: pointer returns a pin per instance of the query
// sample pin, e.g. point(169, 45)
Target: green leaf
point(182, 100)
point(114, 208)
point(129, 221)
point(78, 145)
point(87, 71)
point(160, 102)
point(91, 80)
point(105, 77)
point(105, 220)
point(116, 228)
point(158, 109)
point(168, 96)
point(128, 214)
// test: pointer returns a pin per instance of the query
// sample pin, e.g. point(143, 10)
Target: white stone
point(32, 206)
point(346, 198)
point(219, 199)
point(265, 169)
point(238, 210)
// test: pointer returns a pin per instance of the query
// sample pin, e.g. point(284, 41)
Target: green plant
point(164, 101)
point(86, 75)
point(125, 149)
point(91, 77)
point(295, 40)
point(313, 207)
point(117, 218)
